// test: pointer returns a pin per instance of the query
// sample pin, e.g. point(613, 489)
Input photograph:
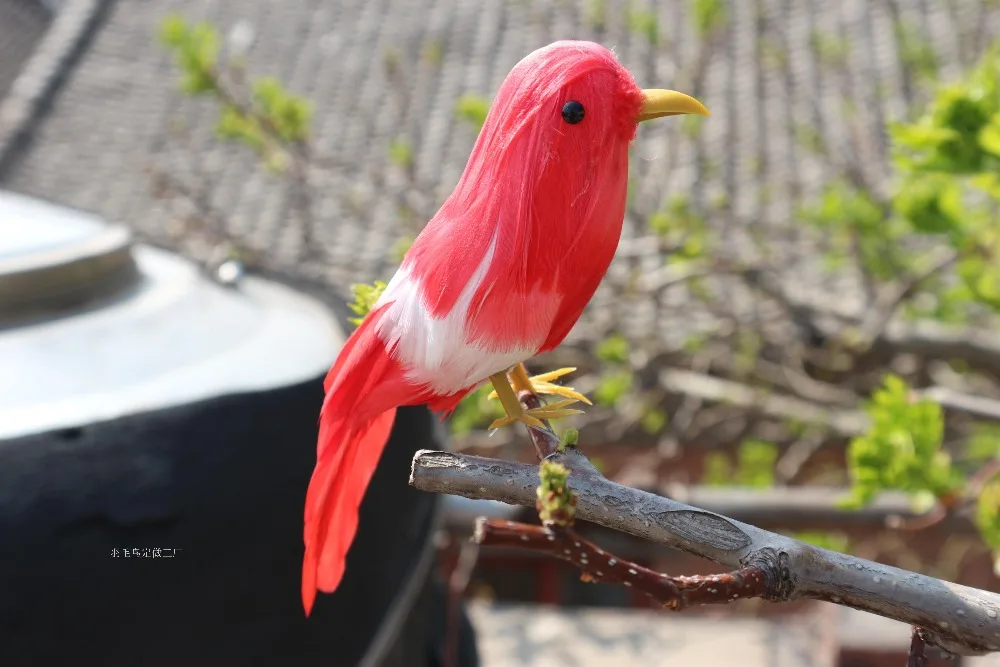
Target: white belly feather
point(437, 351)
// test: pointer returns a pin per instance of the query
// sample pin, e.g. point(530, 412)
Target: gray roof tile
point(22, 24)
point(117, 113)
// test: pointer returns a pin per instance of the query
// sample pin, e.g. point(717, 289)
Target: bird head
point(578, 90)
point(563, 117)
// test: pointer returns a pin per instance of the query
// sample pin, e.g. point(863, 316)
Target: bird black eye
point(572, 112)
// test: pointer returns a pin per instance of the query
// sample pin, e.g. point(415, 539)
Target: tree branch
point(957, 618)
point(889, 301)
point(597, 565)
point(842, 421)
point(917, 657)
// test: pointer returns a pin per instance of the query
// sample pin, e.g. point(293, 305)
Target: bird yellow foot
point(534, 416)
point(540, 384)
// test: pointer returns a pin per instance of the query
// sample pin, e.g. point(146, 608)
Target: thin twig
point(978, 480)
point(599, 566)
point(936, 515)
point(798, 455)
point(893, 296)
point(917, 656)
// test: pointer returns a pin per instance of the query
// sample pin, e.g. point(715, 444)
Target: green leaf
point(717, 470)
point(474, 109)
point(931, 204)
point(653, 420)
point(173, 30)
point(989, 136)
point(613, 350)
point(365, 297)
point(988, 513)
point(196, 50)
point(475, 411)
point(401, 152)
point(613, 387)
point(984, 443)
point(950, 135)
point(852, 217)
point(902, 449)
point(235, 125)
point(594, 14)
point(982, 277)
point(755, 464)
point(644, 22)
point(708, 15)
point(287, 114)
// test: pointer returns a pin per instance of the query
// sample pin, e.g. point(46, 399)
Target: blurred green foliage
point(915, 52)
point(988, 518)
point(685, 231)
point(613, 349)
point(644, 22)
point(196, 51)
point(832, 540)
point(947, 188)
point(401, 152)
point(708, 15)
point(475, 411)
point(902, 448)
point(831, 49)
point(473, 109)
point(365, 297)
point(595, 14)
point(613, 386)
point(852, 218)
point(983, 444)
point(653, 420)
point(268, 121)
point(754, 466)
point(616, 378)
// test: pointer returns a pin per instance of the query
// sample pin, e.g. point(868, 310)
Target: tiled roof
point(22, 24)
point(378, 70)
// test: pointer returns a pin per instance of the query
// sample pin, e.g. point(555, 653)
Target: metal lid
point(168, 336)
point(54, 260)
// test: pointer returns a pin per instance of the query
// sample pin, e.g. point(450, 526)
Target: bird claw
point(542, 384)
point(534, 416)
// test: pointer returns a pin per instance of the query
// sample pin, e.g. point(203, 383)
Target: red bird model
point(500, 274)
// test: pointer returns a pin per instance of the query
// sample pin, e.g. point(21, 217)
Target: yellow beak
point(657, 103)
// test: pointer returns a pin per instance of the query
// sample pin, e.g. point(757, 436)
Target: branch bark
point(597, 565)
point(958, 619)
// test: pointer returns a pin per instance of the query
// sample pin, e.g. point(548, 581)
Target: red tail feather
point(363, 389)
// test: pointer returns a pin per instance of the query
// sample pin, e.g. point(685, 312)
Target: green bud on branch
point(556, 501)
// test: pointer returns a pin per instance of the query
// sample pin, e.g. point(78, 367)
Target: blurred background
point(799, 329)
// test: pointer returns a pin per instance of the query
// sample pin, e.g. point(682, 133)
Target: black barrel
point(171, 534)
